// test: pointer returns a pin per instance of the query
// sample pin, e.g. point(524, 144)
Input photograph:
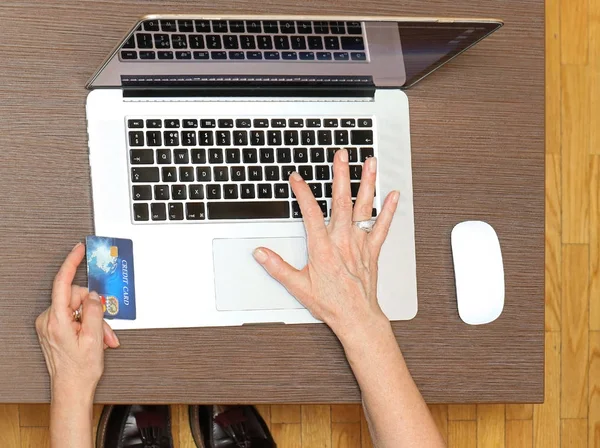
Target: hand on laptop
point(74, 353)
point(339, 283)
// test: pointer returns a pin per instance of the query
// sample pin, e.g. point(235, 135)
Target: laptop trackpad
point(242, 284)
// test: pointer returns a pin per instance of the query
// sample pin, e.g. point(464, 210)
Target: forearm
point(398, 416)
point(71, 418)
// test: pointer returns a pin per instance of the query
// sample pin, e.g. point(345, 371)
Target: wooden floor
point(570, 416)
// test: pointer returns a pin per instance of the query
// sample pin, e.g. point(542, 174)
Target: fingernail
point(94, 296)
point(372, 164)
point(260, 255)
point(117, 339)
point(395, 197)
point(343, 155)
point(295, 176)
point(76, 246)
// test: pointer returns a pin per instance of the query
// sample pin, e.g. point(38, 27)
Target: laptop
point(195, 124)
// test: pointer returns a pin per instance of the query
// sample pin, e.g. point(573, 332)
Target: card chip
point(114, 251)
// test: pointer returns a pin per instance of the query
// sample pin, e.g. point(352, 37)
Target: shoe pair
point(143, 426)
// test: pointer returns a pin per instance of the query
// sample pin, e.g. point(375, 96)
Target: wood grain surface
point(477, 129)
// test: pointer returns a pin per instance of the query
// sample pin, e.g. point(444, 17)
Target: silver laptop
point(195, 124)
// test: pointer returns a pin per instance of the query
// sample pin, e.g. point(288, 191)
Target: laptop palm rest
point(241, 284)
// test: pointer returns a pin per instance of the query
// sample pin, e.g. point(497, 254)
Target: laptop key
point(284, 155)
point(247, 191)
point(219, 26)
point(289, 55)
point(271, 55)
point(158, 212)
point(274, 138)
point(236, 55)
point(169, 174)
point(168, 25)
point(295, 122)
point(213, 42)
point(354, 187)
point(135, 123)
point(223, 138)
point(278, 123)
point(225, 123)
point(230, 191)
point(215, 155)
point(250, 155)
point(162, 41)
point(304, 27)
point(355, 172)
point(205, 138)
point(186, 26)
point(328, 190)
point(358, 56)
point(306, 171)
point(270, 26)
point(198, 155)
point(203, 174)
point(202, 26)
point(248, 210)
point(267, 155)
point(264, 191)
point(317, 189)
point(282, 191)
point(142, 193)
point(196, 191)
point(178, 192)
point(130, 43)
point(254, 55)
point(179, 41)
point(172, 123)
point(253, 26)
point(243, 123)
point(323, 56)
point(190, 123)
point(162, 192)
point(143, 40)
point(144, 175)
point(323, 205)
point(140, 212)
point(291, 138)
point(230, 42)
point(264, 42)
point(201, 55)
point(321, 27)
point(324, 137)
point(360, 137)
point(287, 26)
point(337, 27)
point(218, 55)
point(141, 156)
point(163, 156)
point(331, 122)
point(322, 172)
point(354, 43)
point(365, 123)
point(255, 173)
point(221, 174)
point(129, 54)
point(296, 212)
point(176, 211)
point(308, 138)
point(188, 138)
point(261, 123)
point(151, 25)
point(315, 42)
point(257, 138)
point(136, 138)
point(354, 28)
point(313, 123)
point(317, 155)
point(238, 173)
point(307, 56)
point(341, 137)
point(165, 55)
point(237, 26)
point(282, 43)
point(240, 138)
point(232, 155)
point(341, 56)
point(153, 123)
point(348, 122)
point(298, 42)
point(213, 191)
point(196, 41)
point(171, 138)
point(194, 211)
point(286, 171)
point(332, 43)
point(186, 174)
point(300, 155)
point(271, 173)
point(208, 123)
point(147, 55)
point(183, 55)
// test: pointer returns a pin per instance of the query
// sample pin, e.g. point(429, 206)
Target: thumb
point(110, 338)
point(290, 277)
point(92, 315)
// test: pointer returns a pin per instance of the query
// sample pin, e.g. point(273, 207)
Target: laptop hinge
point(248, 86)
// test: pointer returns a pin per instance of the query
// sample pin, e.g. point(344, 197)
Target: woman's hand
point(74, 351)
point(338, 285)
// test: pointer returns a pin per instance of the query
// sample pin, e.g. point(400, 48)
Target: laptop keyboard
point(250, 40)
point(203, 169)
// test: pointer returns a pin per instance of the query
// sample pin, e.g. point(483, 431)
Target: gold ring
point(77, 315)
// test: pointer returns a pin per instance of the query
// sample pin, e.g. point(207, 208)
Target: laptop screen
point(179, 51)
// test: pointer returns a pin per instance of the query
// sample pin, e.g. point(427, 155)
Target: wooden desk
point(478, 153)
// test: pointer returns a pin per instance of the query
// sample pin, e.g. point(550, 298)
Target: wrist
point(367, 330)
point(71, 393)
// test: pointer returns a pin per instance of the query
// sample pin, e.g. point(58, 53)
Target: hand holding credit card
point(110, 274)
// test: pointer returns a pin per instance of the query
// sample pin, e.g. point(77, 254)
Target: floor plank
point(462, 412)
point(35, 437)
point(440, 416)
point(546, 416)
point(490, 425)
point(365, 436)
point(595, 241)
point(345, 413)
point(519, 411)
point(594, 391)
point(345, 435)
point(575, 128)
point(10, 434)
point(316, 426)
point(182, 433)
point(594, 34)
point(574, 344)
point(265, 412)
point(553, 243)
point(34, 415)
point(553, 76)
point(595, 103)
point(97, 413)
point(462, 434)
point(287, 435)
point(574, 31)
point(285, 413)
point(519, 434)
point(574, 433)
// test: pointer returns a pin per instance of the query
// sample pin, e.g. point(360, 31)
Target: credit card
point(110, 274)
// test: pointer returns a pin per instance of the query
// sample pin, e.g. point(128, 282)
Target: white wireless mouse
point(479, 272)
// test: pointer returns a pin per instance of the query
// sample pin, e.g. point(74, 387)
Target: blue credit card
point(110, 274)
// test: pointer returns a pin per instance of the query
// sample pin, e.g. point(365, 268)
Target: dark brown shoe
point(134, 426)
point(229, 427)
